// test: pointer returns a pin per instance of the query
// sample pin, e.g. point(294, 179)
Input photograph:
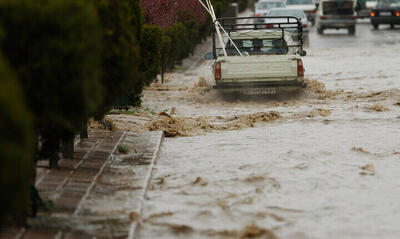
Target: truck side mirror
point(209, 56)
point(302, 52)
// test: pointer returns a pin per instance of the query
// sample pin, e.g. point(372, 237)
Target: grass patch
point(122, 149)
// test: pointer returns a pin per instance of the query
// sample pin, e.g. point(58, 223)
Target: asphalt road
point(326, 168)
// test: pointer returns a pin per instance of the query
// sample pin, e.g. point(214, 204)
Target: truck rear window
point(258, 46)
point(338, 8)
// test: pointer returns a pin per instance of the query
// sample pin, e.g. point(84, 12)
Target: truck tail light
point(217, 73)
point(373, 14)
point(300, 68)
point(257, 15)
point(304, 25)
point(324, 17)
point(269, 26)
point(397, 13)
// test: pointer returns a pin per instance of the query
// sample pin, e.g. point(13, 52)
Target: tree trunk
point(68, 147)
point(54, 160)
point(162, 73)
point(84, 131)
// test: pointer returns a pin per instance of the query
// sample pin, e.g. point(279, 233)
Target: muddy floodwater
point(324, 163)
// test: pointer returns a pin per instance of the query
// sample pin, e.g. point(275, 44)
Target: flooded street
point(321, 164)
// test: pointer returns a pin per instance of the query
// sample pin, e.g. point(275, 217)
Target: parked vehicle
point(263, 6)
point(386, 12)
point(308, 6)
point(267, 60)
point(336, 14)
point(361, 9)
point(371, 4)
point(297, 13)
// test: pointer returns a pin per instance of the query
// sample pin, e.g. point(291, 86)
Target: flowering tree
point(164, 12)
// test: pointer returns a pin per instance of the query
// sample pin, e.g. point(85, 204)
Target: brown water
point(322, 164)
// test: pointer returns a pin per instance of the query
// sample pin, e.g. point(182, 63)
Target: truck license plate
point(385, 13)
point(260, 91)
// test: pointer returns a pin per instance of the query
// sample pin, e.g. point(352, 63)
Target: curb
point(135, 224)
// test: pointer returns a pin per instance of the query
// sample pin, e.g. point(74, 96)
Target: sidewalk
point(99, 193)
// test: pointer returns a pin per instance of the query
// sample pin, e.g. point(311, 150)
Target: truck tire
point(352, 30)
point(376, 26)
point(391, 26)
point(320, 30)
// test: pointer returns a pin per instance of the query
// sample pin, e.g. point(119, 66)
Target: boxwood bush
point(243, 4)
point(121, 28)
point(151, 52)
point(16, 148)
point(55, 49)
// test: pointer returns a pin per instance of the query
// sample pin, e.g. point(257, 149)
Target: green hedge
point(121, 27)
point(243, 4)
point(55, 49)
point(16, 149)
point(150, 52)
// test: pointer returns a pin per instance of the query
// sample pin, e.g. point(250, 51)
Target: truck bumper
point(337, 23)
point(364, 13)
point(385, 20)
point(272, 87)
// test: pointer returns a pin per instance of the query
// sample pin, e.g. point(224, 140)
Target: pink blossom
point(163, 12)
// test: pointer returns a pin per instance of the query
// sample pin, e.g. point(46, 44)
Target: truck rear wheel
point(320, 30)
point(376, 26)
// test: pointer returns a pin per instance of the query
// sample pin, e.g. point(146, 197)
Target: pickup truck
point(261, 58)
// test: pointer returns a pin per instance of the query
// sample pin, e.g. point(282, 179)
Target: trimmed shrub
point(220, 7)
point(179, 43)
point(16, 149)
point(121, 53)
point(166, 42)
point(243, 4)
point(54, 48)
point(150, 52)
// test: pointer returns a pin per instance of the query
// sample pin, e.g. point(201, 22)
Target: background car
point(335, 14)
point(263, 6)
point(297, 13)
point(371, 4)
point(308, 6)
point(386, 12)
point(364, 7)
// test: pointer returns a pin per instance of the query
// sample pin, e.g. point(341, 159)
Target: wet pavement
point(326, 167)
point(99, 192)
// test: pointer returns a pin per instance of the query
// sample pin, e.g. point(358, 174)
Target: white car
point(263, 6)
point(297, 13)
point(370, 4)
point(308, 6)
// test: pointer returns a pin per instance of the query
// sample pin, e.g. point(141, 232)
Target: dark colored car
point(386, 12)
